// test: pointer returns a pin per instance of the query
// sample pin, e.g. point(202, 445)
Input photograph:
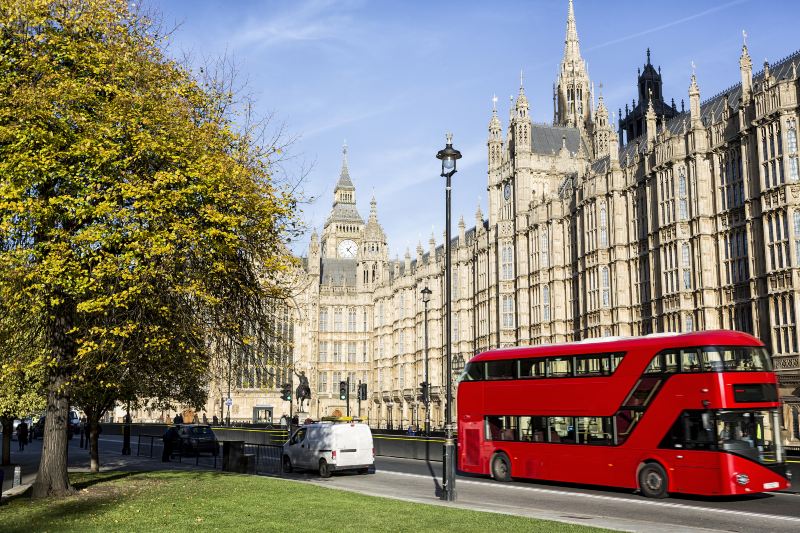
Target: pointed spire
point(694, 100)
point(495, 128)
point(373, 210)
point(344, 176)
point(478, 217)
point(571, 45)
point(746, 70)
point(648, 55)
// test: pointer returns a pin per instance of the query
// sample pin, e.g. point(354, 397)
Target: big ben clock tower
point(342, 232)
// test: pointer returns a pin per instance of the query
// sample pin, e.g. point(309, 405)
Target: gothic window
point(546, 303)
point(666, 197)
point(351, 352)
point(777, 240)
point(323, 382)
point(352, 380)
point(687, 273)
point(603, 226)
point(323, 351)
point(544, 250)
point(791, 136)
point(381, 349)
point(604, 278)
point(797, 238)
point(351, 319)
point(508, 311)
point(669, 264)
point(455, 328)
point(401, 376)
point(684, 203)
point(688, 323)
point(401, 342)
point(507, 262)
point(337, 377)
point(772, 155)
point(337, 319)
point(401, 304)
point(783, 324)
point(323, 319)
point(337, 352)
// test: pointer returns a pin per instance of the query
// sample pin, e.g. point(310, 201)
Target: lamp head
point(448, 157)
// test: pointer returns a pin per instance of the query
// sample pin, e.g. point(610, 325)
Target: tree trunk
point(94, 452)
point(52, 478)
point(8, 427)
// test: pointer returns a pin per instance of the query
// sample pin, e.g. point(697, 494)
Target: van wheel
point(324, 468)
point(287, 464)
point(653, 480)
point(501, 467)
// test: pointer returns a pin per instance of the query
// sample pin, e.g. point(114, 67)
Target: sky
point(392, 77)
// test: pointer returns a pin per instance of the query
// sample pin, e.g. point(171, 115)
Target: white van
point(331, 445)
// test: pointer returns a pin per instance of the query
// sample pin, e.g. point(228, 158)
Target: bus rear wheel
point(501, 467)
point(653, 480)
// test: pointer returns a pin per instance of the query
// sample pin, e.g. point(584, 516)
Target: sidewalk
point(78, 461)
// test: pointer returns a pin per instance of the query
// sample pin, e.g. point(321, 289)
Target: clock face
point(507, 191)
point(347, 249)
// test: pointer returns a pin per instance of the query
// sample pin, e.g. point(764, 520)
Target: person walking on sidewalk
point(22, 435)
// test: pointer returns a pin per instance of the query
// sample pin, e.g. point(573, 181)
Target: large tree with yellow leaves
point(136, 220)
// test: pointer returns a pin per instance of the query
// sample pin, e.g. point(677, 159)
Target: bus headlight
point(742, 479)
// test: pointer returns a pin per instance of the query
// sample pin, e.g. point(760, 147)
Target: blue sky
point(391, 77)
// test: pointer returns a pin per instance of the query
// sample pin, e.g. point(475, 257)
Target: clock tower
point(343, 229)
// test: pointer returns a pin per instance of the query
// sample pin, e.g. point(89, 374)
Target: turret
point(694, 102)
point(746, 70)
point(572, 94)
point(650, 117)
point(314, 254)
point(461, 232)
point(495, 141)
point(522, 122)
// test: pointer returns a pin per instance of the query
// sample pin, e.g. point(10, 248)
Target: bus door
point(693, 467)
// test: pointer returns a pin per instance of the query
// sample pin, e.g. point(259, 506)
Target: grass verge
point(211, 501)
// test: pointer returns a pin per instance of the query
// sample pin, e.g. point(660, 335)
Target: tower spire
point(571, 44)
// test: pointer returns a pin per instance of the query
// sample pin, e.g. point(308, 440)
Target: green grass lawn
point(210, 501)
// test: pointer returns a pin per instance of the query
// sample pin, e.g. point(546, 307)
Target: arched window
point(546, 303)
point(507, 262)
point(603, 226)
point(683, 201)
point(606, 283)
point(544, 250)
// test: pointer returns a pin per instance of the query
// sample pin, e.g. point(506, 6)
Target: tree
point(134, 217)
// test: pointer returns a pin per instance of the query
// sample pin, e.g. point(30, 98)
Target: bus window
point(505, 369)
point(626, 420)
point(562, 429)
point(663, 363)
point(532, 368)
point(593, 430)
point(671, 362)
point(690, 360)
point(616, 359)
point(733, 359)
point(532, 428)
point(501, 428)
point(591, 365)
point(474, 372)
point(559, 367)
point(693, 430)
point(656, 366)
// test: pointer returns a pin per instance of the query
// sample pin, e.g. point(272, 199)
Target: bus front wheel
point(501, 467)
point(653, 480)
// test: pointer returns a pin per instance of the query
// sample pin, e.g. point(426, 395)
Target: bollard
point(17, 476)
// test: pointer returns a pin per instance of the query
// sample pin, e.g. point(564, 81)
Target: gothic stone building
point(693, 223)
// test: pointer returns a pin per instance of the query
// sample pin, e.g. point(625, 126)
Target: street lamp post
point(448, 157)
point(426, 399)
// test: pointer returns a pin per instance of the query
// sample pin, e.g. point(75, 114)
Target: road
point(419, 481)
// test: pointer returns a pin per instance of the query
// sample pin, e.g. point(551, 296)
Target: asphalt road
point(419, 481)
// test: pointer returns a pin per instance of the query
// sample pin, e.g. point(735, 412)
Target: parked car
point(194, 439)
point(73, 425)
point(332, 445)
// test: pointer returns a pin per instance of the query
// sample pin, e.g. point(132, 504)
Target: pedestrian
point(169, 436)
point(215, 420)
point(205, 418)
point(411, 430)
point(178, 419)
point(22, 434)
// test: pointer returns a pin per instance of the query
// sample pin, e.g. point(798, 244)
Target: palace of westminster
point(675, 220)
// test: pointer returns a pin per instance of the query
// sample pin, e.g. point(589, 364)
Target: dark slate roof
point(546, 139)
point(344, 180)
point(342, 212)
point(338, 272)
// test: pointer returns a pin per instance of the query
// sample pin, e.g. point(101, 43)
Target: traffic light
point(342, 390)
point(286, 392)
point(362, 391)
point(423, 390)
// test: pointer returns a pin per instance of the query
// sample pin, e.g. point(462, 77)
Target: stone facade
point(693, 224)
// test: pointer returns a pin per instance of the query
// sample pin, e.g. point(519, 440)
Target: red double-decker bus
point(692, 413)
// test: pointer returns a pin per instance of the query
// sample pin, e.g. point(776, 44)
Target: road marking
point(610, 498)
